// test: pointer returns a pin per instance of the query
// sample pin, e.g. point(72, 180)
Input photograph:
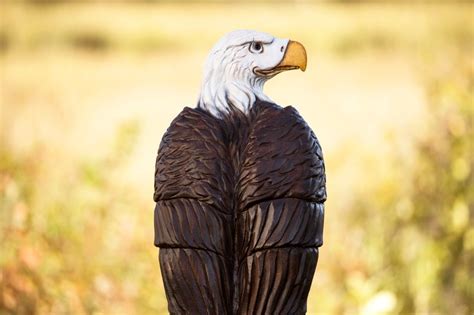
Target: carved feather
point(239, 211)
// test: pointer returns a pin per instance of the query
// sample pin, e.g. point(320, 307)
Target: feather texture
point(239, 211)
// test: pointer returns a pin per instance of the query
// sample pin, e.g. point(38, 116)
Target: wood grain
point(239, 211)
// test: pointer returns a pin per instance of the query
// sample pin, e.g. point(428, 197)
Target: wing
point(239, 212)
point(193, 219)
point(281, 208)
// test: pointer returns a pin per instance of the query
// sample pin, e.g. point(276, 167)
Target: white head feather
point(232, 77)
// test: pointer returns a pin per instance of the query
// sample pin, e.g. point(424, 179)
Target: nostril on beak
point(281, 49)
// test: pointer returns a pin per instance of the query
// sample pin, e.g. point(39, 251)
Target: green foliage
point(416, 222)
point(62, 245)
point(77, 236)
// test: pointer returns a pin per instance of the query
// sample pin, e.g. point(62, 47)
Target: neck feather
point(221, 98)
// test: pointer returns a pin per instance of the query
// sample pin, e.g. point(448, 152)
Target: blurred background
point(88, 88)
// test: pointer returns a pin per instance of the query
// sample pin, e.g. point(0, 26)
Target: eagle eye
point(256, 47)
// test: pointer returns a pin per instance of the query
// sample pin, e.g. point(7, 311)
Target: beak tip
point(295, 55)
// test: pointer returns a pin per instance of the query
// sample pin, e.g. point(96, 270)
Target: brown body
point(239, 211)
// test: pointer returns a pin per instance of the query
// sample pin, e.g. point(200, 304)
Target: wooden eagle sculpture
point(240, 189)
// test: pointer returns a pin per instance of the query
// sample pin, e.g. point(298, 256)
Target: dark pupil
point(257, 46)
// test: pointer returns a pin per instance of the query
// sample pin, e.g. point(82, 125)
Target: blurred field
point(87, 91)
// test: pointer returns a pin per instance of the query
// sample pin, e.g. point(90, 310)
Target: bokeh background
point(89, 87)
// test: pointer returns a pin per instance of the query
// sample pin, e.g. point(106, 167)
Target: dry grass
point(72, 76)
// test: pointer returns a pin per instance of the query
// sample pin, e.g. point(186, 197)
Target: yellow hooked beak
point(294, 58)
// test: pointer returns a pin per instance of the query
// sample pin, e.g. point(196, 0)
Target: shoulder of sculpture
point(191, 120)
point(264, 106)
point(193, 114)
point(273, 112)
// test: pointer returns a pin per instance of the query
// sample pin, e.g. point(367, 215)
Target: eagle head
point(238, 66)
